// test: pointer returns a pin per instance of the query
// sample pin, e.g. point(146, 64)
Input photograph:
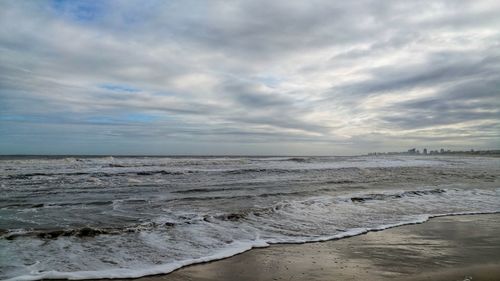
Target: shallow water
point(133, 216)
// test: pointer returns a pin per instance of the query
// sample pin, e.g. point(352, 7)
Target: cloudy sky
point(317, 77)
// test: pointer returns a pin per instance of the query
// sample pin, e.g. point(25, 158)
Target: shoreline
point(306, 257)
point(164, 270)
point(215, 268)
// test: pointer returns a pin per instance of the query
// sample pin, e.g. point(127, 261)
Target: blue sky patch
point(79, 10)
point(119, 88)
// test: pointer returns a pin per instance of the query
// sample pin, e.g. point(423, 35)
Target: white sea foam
point(134, 180)
point(232, 250)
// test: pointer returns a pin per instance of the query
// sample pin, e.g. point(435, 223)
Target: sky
point(254, 77)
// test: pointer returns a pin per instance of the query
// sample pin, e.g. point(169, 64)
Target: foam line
point(236, 248)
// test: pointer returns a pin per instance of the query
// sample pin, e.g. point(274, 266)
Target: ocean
point(122, 217)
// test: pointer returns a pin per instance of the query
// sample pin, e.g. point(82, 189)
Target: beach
point(249, 140)
point(445, 248)
point(131, 217)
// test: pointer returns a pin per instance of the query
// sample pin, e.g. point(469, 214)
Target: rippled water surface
point(128, 217)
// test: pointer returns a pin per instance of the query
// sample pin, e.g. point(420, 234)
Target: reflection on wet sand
point(447, 248)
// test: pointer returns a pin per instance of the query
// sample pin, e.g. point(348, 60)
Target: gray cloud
point(286, 77)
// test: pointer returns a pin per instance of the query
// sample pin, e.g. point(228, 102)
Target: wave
point(82, 232)
point(53, 234)
point(27, 176)
point(384, 196)
point(346, 174)
point(299, 159)
point(358, 231)
point(206, 190)
point(232, 249)
point(99, 174)
point(230, 216)
point(60, 204)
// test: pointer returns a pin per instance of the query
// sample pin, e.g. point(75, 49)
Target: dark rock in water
point(358, 199)
point(150, 224)
point(54, 234)
point(37, 205)
point(340, 181)
point(89, 232)
point(234, 217)
point(116, 165)
point(413, 193)
point(12, 236)
point(50, 234)
point(162, 172)
point(299, 159)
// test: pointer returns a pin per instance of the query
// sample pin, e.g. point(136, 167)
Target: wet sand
point(447, 248)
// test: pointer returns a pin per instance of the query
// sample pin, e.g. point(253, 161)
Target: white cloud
point(346, 75)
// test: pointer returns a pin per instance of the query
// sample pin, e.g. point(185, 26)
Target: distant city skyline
point(425, 151)
point(248, 77)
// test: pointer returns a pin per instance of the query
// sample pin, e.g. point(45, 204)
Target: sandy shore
point(447, 248)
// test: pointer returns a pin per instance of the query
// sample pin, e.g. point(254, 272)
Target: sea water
point(105, 217)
